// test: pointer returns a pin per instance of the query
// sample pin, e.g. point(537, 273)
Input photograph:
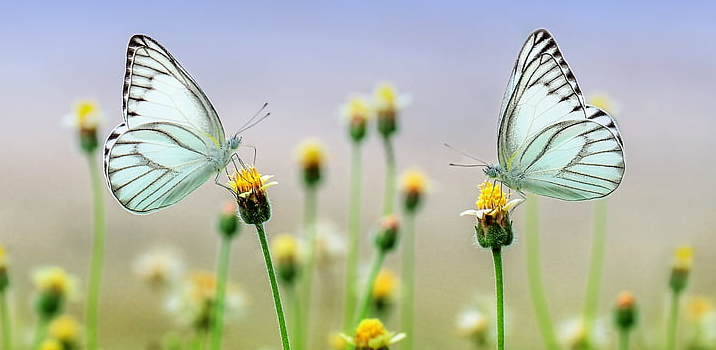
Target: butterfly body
point(550, 142)
point(171, 140)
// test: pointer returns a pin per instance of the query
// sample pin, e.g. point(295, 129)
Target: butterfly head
point(493, 171)
point(233, 142)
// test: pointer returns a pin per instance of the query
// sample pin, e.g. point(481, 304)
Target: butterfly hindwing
point(155, 165)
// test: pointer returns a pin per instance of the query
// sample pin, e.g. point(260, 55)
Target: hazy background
point(655, 60)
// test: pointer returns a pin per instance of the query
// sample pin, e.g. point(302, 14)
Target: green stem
point(40, 333)
point(539, 300)
point(408, 281)
point(500, 297)
point(673, 317)
point(309, 227)
point(623, 339)
point(367, 292)
point(591, 300)
point(295, 313)
point(274, 287)
point(390, 179)
point(92, 312)
point(6, 326)
point(222, 273)
point(353, 239)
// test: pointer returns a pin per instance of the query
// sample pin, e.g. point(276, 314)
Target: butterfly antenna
point(253, 121)
point(483, 163)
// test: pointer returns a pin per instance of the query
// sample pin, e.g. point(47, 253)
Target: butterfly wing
point(559, 146)
point(158, 89)
point(155, 165)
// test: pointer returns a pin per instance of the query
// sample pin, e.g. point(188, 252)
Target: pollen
point(369, 329)
point(491, 196)
point(247, 181)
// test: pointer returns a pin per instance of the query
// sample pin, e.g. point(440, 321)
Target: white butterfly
point(171, 140)
point(550, 142)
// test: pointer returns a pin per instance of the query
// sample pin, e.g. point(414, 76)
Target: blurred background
point(653, 59)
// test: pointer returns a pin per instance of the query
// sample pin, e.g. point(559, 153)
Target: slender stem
point(274, 287)
point(500, 297)
point(353, 238)
point(309, 227)
point(6, 326)
point(539, 300)
point(92, 312)
point(623, 339)
point(673, 317)
point(295, 313)
point(408, 267)
point(222, 273)
point(389, 197)
point(591, 299)
point(40, 333)
point(367, 292)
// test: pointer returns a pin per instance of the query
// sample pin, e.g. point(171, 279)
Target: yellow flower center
point(285, 248)
point(683, 257)
point(698, 308)
point(358, 109)
point(369, 329)
point(310, 153)
point(246, 180)
point(600, 101)
point(386, 95)
point(53, 279)
point(414, 182)
point(384, 284)
point(87, 114)
point(491, 196)
point(51, 344)
point(203, 286)
point(65, 329)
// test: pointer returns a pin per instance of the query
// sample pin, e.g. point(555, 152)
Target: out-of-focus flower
point(387, 237)
point(85, 118)
point(195, 299)
point(625, 313)
point(357, 111)
point(474, 325)
point(336, 341)
point(249, 187)
point(330, 244)
point(604, 102)
point(160, 268)
point(683, 259)
point(51, 344)
point(311, 157)
point(372, 335)
point(286, 252)
point(494, 227)
point(228, 220)
point(54, 288)
point(701, 314)
point(66, 330)
point(573, 335)
point(384, 289)
point(4, 278)
point(388, 104)
point(414, 185)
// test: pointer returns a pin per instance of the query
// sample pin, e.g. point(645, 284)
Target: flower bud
point(625, 313)
point(387, 237)
point(228, 220)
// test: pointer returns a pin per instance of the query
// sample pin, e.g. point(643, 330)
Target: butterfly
point(171, 140)
point(550, 142)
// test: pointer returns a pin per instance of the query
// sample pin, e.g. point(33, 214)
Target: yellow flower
point(414, 184)
point(66, 329)
point(357, 111)
point(51, 344)
point(337, 341)
point(249, 187)
point(311, 158)
point(4, 278)
point(683, 257)
point(159, 268)
point(85, 117)
point(2, 256)
point(385, 285)
point(55, 279)
point(699, 308)
point(388, 105)
point(372, 335)
point(494, 226)
point(285, 248)
point(602, 101)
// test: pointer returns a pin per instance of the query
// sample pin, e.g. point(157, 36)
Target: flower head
point(414, 183)
point(228, 220)
point(4, 278)
point(357, 111)
point(249, 187)
point(285, 249)
point(54, 287)
point(683, 259)
point(625, 313)
point(474, 325)
point(372, 335)
point(195, 300)
point(51, 344)
point(384, 289)
point(387, 237)
point(85, 118)
point(494, 227)
point(160, 268)
point(311, 158)
point(388, 104)
point(65, 329)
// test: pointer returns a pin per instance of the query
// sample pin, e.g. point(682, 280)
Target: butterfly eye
point(234, 143)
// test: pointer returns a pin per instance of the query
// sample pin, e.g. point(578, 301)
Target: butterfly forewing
point(157, 88)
